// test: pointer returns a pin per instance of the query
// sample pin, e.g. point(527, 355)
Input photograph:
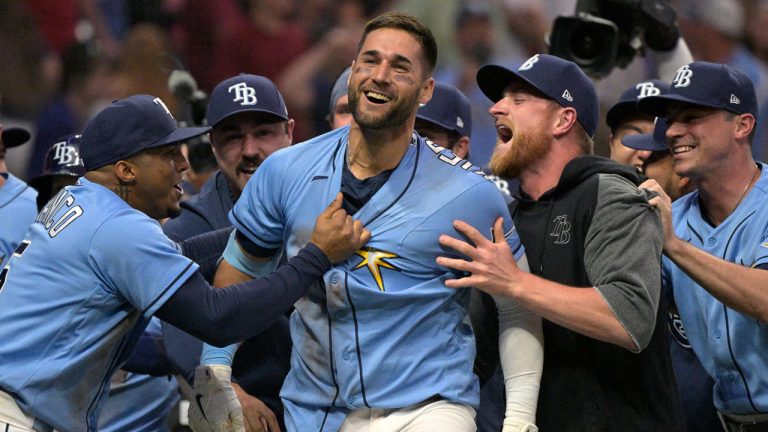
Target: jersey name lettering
point(46, 215)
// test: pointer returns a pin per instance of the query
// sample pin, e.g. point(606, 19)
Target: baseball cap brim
point(15, 136)
point(493, 79)
point(278, 117)
point(179, 135)
point(642, 142)
point(657, 105)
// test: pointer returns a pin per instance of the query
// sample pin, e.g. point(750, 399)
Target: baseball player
point(715, 239)
point(249, 121)
point(62, 167)
point(624, 119)
point(594, 247)
point(17, 199)
point(136, 401)
point(94, 267)
point(381, 343)
point(339, 114)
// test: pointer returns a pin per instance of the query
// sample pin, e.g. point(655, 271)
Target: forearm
point(521, 351)
point(740, 288)
point(224, 316)
point(582, 310)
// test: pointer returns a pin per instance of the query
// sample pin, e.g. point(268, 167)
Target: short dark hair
point(408, 23)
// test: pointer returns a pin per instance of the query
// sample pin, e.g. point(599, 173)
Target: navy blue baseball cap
point(340, 88)
point(449, 109)
point(558, 79)
point(128, 126)
point(656, 141)
point(712, 85)
point(627, 103)
point(245, 93)
point(15, 136)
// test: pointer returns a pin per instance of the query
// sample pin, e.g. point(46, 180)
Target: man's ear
point(126, 171)
point(461, 148)
point(565, 121)
point(745, 123)
point(425, 95)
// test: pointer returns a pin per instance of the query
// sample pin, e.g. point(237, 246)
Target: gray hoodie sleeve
point(623, 255)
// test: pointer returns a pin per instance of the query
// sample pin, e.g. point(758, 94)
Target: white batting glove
point(517, 425)
point(215, 408)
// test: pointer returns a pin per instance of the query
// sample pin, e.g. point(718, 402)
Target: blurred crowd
point(63, 60)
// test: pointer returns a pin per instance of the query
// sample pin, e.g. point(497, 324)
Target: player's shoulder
point(442, 165)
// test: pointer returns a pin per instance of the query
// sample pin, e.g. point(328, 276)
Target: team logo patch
point(567, 96)
point(765, 245)
point(734, 100)
point(529, 63)
point(683, 77)
point(375, 260)
point(562, 230)
point(675, 325)
point(645, 89)
point(243, 94)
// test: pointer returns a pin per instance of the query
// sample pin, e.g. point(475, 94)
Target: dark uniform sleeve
point(623, 255)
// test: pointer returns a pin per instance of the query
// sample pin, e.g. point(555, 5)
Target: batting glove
point(517, 425)
point(215, 408)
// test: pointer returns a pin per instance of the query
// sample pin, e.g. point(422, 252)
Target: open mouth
point(504, 133)
point(376, 97)
point(682, 149)
point(178, 187)
point(248, 170)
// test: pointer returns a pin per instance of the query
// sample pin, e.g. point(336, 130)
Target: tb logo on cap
point(243, 94)
point(683, 77)
point(647, 89)
point(160, 102)
point(529, 63)
point(65, 155)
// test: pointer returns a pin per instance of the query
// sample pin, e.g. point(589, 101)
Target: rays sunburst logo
point(375, 260)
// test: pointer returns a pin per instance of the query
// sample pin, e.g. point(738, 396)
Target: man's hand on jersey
point(215, 408)
point(258, 417)
point(337, 234)
point(491, 264)
point(663, 204)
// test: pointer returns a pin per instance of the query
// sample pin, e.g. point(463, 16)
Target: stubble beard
point(395, 116)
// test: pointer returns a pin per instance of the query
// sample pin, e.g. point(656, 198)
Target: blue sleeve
point(136, 261)
point(258, 213)
point(481, 205)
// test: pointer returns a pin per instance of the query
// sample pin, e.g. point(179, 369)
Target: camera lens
point(585, 45)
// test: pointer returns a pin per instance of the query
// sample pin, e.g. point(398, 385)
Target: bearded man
point(594, 248)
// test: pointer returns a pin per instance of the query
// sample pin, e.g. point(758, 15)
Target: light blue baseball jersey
point(383, 331)
point(732, 347)
point(76, 295)
point(17, 210)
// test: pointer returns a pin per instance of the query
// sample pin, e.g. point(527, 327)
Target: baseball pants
point(433, 416)
point(13, 419)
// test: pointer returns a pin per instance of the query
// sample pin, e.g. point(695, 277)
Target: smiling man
point(716, 238)
point(249, 122)
point(594, 246)
point(94, 267)
point(381, 343)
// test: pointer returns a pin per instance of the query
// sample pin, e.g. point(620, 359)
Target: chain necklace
point(743, 194)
